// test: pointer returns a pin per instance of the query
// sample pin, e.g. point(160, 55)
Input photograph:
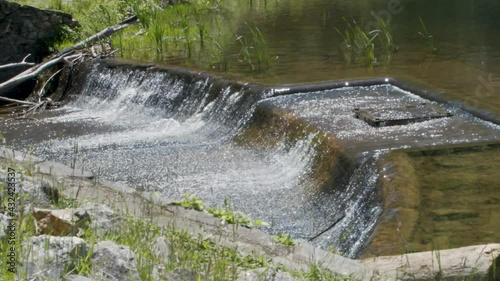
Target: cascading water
point(158, 132)
point(161, 132)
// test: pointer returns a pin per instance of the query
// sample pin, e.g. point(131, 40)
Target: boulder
point(103, 220)
point(49, 257)
point(61, 222)
point(114, 262)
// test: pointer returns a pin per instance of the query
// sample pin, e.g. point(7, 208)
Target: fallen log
point(28, 74)
point(102, 34)
point(39, 68)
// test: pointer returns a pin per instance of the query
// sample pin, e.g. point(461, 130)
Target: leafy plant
point(285, 239)
point(233, 217)
point(190, 201)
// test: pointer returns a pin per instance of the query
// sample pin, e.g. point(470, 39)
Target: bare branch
point(28, 74)
point(17, 64)
point(17, 101)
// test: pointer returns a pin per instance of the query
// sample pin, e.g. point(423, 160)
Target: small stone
point(114, 262)
point(162, 248)
point(4, 222)
point(73, 277)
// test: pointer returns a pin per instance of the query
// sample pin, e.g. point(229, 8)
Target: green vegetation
point(224, 213)
point(359, 45)
point(285, 239)
point(192, 32)
point(190, 201)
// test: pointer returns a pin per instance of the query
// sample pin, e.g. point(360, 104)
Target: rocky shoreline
point(103, 206)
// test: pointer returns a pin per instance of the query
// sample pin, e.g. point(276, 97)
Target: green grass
point(193, 33)
point(224, 213)
point(197, 255)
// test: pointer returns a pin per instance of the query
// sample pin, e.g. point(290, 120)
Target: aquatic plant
point(219, 55)
point(385, 33)
point(428, 37)
point(159, 26)
point(358, 43)
point(245, 51)
point(261, 48)
point(157, 32)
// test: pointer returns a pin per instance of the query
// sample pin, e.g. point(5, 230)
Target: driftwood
point(60, 57)
point(17, 64)
point(102, 34)
point(26, 75)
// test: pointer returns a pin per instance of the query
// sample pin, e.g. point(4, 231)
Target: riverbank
point(149, 238)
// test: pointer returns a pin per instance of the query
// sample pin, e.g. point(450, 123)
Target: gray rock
point(113, 262)
point(162, 248)
point(264, 274)
point(73, 277)
point(467, 263)
point(305, 254)
point(19, 156)
point(4, 222)
point(254, 274)
point(23, 27)
point(102, 219)
point(61, 222)
point(50, 256)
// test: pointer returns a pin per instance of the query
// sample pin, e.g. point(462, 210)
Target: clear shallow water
point(461, 210)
